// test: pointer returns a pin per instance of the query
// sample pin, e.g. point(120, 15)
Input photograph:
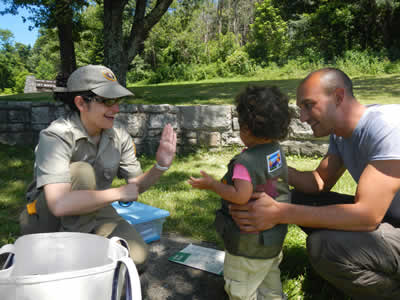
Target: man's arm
point(376, 189)
point(322, 179)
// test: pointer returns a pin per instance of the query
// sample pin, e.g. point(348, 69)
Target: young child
point(251, 267)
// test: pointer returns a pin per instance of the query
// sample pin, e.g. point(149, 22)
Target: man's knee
point(332, 254)
point(314, 244)
point(83, 176)
point(323, 248)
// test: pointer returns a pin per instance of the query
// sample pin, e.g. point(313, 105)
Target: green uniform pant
point(104, 222)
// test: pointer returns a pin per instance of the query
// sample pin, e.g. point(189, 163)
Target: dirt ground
point(166, 280)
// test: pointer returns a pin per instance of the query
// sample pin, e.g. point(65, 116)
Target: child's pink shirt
point(240, 172)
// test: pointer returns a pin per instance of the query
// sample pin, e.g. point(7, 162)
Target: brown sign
point(45, 83)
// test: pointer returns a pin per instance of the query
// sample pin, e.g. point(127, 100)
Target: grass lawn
point(368, 89)
point(191, 211)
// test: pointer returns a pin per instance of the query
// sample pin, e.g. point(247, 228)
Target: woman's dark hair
point(68, 97)
point(264, 111)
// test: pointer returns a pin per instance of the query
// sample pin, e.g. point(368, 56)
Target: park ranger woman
point(80, 154)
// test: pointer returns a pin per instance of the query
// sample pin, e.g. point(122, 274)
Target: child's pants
point(252, 279)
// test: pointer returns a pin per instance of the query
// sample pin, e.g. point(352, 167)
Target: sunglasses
point(107, 102)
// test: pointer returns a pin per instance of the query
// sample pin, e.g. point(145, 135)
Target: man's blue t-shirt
point(376, 137)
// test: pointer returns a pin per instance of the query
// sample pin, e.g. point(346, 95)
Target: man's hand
point(257, 215)
point(203, 183)
point(167, 148)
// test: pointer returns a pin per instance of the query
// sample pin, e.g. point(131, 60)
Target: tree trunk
point(113, 39)
point(119, 51)
point(64, 15)
point(220, 7)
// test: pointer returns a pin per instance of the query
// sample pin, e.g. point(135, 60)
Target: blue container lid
point(139, 212)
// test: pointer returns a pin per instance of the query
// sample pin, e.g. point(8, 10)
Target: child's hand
point(204, 183)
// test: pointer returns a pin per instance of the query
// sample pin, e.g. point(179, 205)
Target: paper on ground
point(207, 259)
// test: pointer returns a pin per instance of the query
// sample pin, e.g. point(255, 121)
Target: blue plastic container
point(146, 219)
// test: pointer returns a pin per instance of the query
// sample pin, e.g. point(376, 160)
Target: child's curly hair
point(264, 110)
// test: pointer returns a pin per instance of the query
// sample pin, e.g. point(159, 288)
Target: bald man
point(353, 241)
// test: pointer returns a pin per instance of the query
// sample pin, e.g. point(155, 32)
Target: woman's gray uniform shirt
point(66, 141)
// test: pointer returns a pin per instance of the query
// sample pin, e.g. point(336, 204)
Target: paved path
point(165, 280)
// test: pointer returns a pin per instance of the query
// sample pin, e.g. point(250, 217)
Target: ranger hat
point(98, 79)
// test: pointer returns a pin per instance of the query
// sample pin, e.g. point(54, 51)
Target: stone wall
point(197, 126)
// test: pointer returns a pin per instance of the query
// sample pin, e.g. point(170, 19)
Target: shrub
point(393, 67)
point(20, 79)
point(224, 46)
point(139, 70)
point(268, 34)
point(239, 63)
point(7, 91)
point(355, 62)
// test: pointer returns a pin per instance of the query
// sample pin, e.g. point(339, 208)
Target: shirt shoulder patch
point(274, 161)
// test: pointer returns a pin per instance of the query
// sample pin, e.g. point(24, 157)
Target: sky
point(19, 29)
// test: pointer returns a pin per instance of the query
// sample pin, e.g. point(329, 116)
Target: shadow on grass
point(213, 93)
point(296, 267)
point(16, 169)
point(377, 89)
point(203, 93)
point(368, 89)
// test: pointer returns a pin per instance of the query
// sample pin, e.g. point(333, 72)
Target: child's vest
point(264, 163)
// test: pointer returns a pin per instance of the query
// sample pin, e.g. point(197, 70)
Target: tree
point(13, 62)
point(331, 28)
point(269, 34)
point(89, 49)
point(63, 14)
point(44, 61)
point(6, 37)
point(120, 49)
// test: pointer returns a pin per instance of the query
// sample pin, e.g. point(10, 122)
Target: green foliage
point(139, 71)
point(45, 57)
point(222, 46)
point(20, 78)
point(5, 73)
point(362, 62)
point(176, 51)
point(269, 34)
point(45, 70)
point(393, 67)
point(239, 63)
point(201, 40)
point(89, 47)
point(5, 37)
point(13, 64)
point(332, 28)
